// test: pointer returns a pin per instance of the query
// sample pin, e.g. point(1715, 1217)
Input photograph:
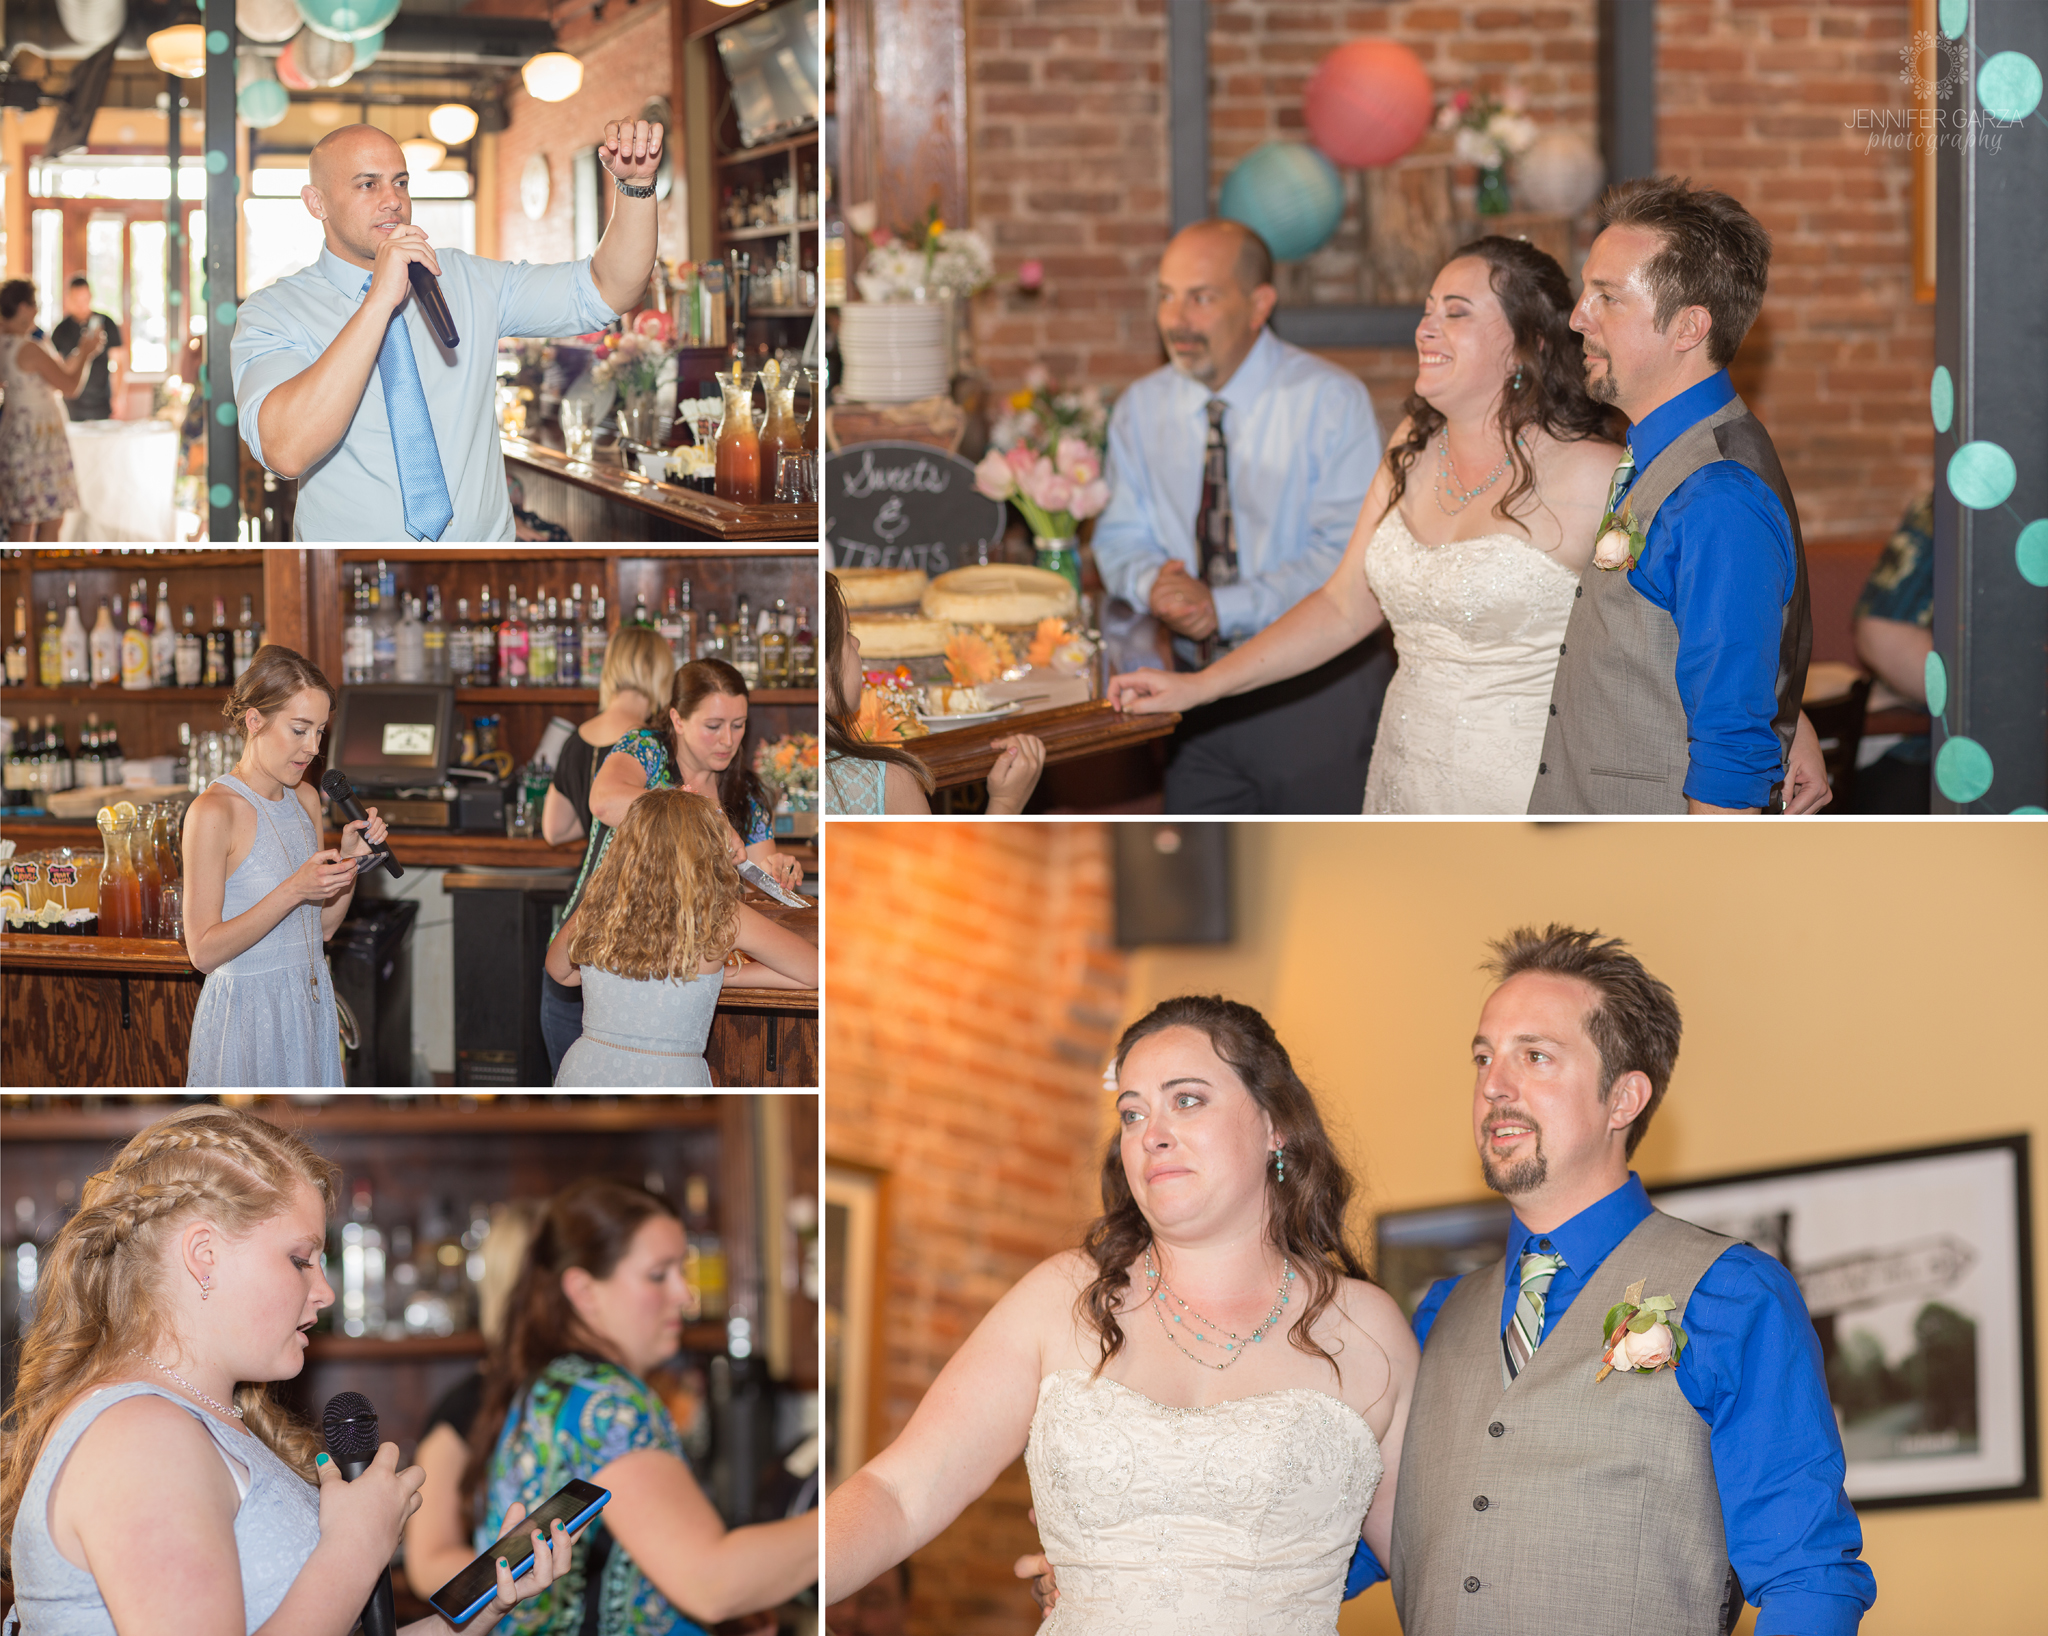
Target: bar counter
point(602, 500)
point(963, 755)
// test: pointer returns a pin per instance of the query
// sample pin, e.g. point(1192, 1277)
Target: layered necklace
point(1447, 467)
point(1159, 1295)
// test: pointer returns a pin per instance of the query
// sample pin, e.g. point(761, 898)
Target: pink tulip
point(1037, 377)
point(1022, 457)
point(1089, 499)
point(994, 478)
point(1031, 276)
point(1076, 460)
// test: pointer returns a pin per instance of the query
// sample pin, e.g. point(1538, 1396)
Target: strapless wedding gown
point(1477, 626)
point(1234, 1519)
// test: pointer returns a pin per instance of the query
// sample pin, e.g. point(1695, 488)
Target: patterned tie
point(1215, 529)
point(421, 480)
point(1525, 1328)
point(1624, 475)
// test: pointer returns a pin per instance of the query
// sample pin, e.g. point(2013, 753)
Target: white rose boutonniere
point(1619, 544)
point(1641, 1335)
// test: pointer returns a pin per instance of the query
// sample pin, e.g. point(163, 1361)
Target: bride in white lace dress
point(1209, 1395)
point(1470, 544)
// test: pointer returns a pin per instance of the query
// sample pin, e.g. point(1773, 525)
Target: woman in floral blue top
point(598, 1306)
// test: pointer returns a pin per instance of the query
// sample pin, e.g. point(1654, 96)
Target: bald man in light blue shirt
point(312, 353)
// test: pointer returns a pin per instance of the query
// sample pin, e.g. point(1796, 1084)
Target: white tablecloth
point(127, 471)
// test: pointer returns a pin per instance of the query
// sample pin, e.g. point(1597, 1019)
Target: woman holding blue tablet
point(598, 1306)
point(150, 1485)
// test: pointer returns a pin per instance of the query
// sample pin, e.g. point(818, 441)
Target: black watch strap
point(631, 191)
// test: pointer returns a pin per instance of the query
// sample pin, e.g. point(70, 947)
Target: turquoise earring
point(1280, 1163)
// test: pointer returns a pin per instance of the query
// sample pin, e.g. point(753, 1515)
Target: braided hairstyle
point(104, 1282)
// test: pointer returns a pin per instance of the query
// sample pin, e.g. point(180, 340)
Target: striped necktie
point(421, 481)
point(1525, 1329)
point(1624, 474)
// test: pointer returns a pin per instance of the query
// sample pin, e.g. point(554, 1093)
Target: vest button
point(1577, 592)
point(1553, 710)
point(1560, 650)
point(1481, 1503)
point(1471, 1584)
point(1543, 766)
point(1496, 1430)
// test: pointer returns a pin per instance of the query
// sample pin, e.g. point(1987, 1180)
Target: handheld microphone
point(351, 1427)
point(343, 794)
point(426, 289)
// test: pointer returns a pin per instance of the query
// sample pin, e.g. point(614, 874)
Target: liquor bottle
point(595, 641)
point(746, 649)
point(712, 642)
point(50, 650)
point(17, 652)
point(669, 627)
point(803, 652)
point(542, 643)
point(74, 656)
point(87, 770)
point(106, 647)
point(163, 641)
point(14, 784)
point(435, 638)
point(460, 658)
point(384, 626)
point(640, 616)
point(512, 642)
point(358, 645)
point(569, 641)
point(135, 667)
point(248, 636)
point(219, 653)
point(774, 647)
point(484, 642)
point(113, 763)
point(63, 773)
point(191, 658)
point(409, 643)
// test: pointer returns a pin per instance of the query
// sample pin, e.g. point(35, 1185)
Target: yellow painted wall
point(1846, 987)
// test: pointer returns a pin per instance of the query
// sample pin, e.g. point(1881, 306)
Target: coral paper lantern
point(288, 74)
point(1288, 194)
point(348, 19)
point(1368, 102)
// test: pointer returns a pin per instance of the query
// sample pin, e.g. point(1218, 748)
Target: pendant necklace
point(182, 1381)
point(1158, 1291)
point(1446, 464)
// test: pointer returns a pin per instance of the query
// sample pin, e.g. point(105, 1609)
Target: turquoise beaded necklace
point(1157, 1291)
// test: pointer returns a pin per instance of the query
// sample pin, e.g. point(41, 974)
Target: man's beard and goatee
point(1517, 1177)
point(1601, 388)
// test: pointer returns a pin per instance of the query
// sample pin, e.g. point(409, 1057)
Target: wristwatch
point(631, 191)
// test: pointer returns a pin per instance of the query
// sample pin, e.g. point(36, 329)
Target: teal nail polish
point(322, 1460)
point(504, 1564)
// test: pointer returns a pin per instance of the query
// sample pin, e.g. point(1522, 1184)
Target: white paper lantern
point(323, 61)
point(93, 23)
point(270, 22)
point(453, 123)
point(422, 154)
point(1561, 172)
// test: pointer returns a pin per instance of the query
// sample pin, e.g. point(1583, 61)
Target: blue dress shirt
point(1719, 561)
point(1303, 449)
point(1752, 1368)
point(352, 492)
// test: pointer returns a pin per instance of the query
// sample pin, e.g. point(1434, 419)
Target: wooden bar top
point(703, 514)
point(962, 755)
point(118, 956)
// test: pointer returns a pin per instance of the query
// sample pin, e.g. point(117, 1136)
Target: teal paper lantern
point(262, 103)
point(1288, 194)
point(367, 49)
point(348, 19)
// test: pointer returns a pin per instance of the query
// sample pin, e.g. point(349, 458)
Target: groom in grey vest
point(1542, 1493)
point(1679, 679)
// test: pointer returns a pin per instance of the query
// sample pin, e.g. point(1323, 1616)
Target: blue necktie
point(421, 480)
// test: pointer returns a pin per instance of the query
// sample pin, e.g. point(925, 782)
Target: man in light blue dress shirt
point(337, 370)
point(1302, 446)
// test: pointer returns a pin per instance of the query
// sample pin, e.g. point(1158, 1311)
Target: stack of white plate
point(894, 351)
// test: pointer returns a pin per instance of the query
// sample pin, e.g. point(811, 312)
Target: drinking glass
point(794, 483)
point(579, 429)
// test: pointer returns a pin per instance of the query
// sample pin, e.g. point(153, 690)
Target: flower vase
point(1493, 192)
point(1060, 554)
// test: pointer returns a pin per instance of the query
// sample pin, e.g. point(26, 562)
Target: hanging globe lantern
point(180, 50)
point(323, 61)
point(268, 22)
point(453, 123)
point(262, 103)
point(553, 76)
point(348, 19)
point(367, 49)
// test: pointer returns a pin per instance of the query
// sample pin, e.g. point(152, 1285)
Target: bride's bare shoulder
point(1376, 1312)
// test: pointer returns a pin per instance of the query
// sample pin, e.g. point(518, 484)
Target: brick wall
point(623, 65)
point(1070, 165)
point(975, 998)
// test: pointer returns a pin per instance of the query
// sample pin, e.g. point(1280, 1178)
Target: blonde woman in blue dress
point(262, 895)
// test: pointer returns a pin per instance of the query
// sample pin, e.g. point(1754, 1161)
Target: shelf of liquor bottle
point(778, 312)
point(371, 1116)
point(772, 230)
point(110, 693)
point(588, 695)
point(134, 562)
point(806, 138)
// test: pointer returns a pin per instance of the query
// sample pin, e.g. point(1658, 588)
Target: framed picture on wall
point(1917, 1268)
point(853, 1247)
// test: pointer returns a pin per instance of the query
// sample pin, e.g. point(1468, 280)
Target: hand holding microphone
point(364, 1498)
point(342, 793)
point(406, 264)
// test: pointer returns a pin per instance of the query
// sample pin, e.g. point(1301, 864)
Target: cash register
point(395, 741)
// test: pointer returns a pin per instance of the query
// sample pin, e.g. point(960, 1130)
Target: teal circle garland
point(1955, 17)
point(1981, 475)
point(2030, 812)
point(1962, 769)
point(1935, 675)
point(221, 495)
point(2030, 552)
point(224, 413)
point(2009, 86)
point(216, 43)
point(216, 162)
point(1941, 398)
point(224, 312)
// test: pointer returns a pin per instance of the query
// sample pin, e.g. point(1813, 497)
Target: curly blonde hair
point(666, 899)
point(103, 1286)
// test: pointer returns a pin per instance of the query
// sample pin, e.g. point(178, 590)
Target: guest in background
point(871, 779)
point(106, 382)
point(598, 1306)
point(38, 483)
point(1894, 634)
point(638, 667)
point(650, 942)
point(1238, 471)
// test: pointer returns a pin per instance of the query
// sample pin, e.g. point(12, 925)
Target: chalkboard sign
point(906, 505)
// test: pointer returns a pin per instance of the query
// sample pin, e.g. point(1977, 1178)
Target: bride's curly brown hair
point(666, 900)
point(1550, 365)
point(1306, 1214)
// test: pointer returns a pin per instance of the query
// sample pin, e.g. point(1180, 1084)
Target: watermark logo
point(1933, 64)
